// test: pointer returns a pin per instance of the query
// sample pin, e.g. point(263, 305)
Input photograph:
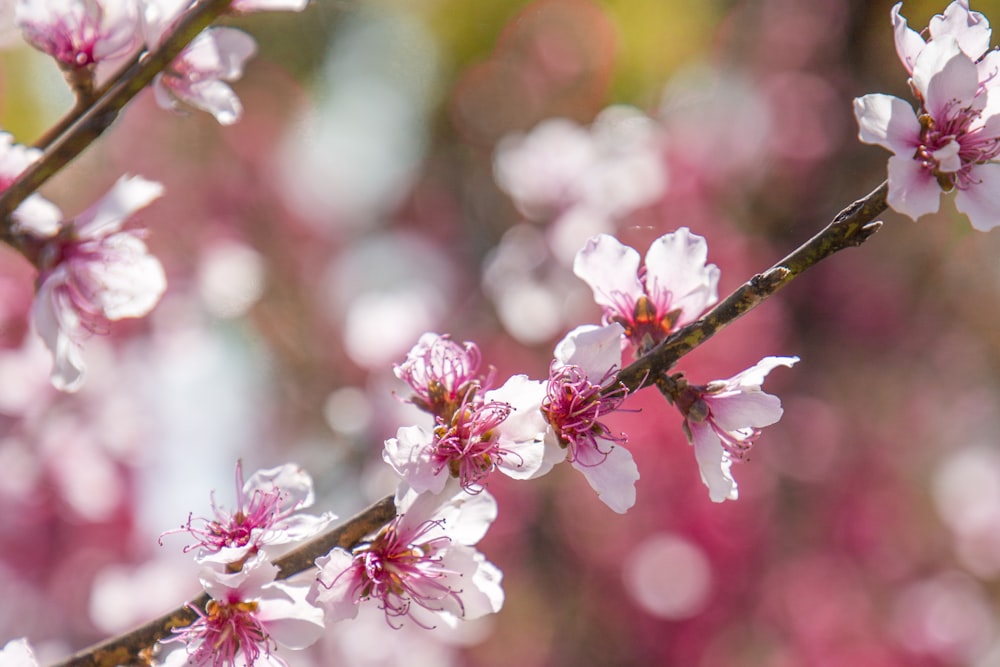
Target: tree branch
point(129, 648)
point(852, 227)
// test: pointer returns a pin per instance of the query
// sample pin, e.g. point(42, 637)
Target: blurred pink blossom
point(36, 215)
point(723, 418)
point(199, 75)
point(92, 274)
point(17, 653)
point(422, 565)
point(80, 33)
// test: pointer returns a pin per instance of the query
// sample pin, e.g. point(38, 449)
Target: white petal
point(744, 409)
point(126, 196)
point(409, 455)
point(333, 587)
point(913, 191)
point(468, 516)
point(755, 375)
point(38, 216)
point(909, 43)
point(294, 482)
point(289, 619)
point(485, 594)
point(970, 29)
point(981, 201)
point(676, 263)
point(713, 463)
point(888, 122)
point(17, 653)
point(611, 269)
point(58, 325)
point(613, 478)
point(595, 349)
point(946, 77)
point(129, 281)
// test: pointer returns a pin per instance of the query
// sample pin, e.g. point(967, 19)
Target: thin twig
point(852, 226)
point(127, 649)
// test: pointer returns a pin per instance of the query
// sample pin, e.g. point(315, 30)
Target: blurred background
point(433, 165)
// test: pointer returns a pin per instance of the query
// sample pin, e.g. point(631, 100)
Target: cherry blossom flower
point(672, 289)
point(585, 364)
point(249, 616)
point(17, 653)
point(93, 273)
point(952, 143)
point(422, 565)
point(442, 373)
point(502, 431)
point(36, 215)
point(970, 29)
point(80, 33)
point(723, 419)
point(198, 76)
point(266, 516)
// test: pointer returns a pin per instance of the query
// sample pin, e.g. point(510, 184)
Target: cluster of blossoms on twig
point(423, 566)
point(91, 270)
point(250, 614)
point(952, 141)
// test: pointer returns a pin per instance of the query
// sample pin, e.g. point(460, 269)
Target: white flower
point(422, 565)
point(92, 274)
point(723, 418)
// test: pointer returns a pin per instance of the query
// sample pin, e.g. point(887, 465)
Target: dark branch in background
point(852, 227)
point(83, 125)
point(129, 648)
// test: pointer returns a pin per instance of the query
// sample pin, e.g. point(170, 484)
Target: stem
point(84, 125)
point(134, 647)
point(852, 227)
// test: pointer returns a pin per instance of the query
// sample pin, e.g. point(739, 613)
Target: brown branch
point(84, 125)
point(129, 648)
point(852, 227)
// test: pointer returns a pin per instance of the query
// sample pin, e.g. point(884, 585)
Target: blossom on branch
point(248, 617)
point(503, 430)
point(952, 142)
point(199, 75)
point(576, 400)
point(723, 419)
point(672, 289)
point(422, 565)
point(266, 516)
point(93, 273)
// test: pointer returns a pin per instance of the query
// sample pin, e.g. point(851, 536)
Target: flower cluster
point(251, 614)
point(90, 39)
point(952, 141)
